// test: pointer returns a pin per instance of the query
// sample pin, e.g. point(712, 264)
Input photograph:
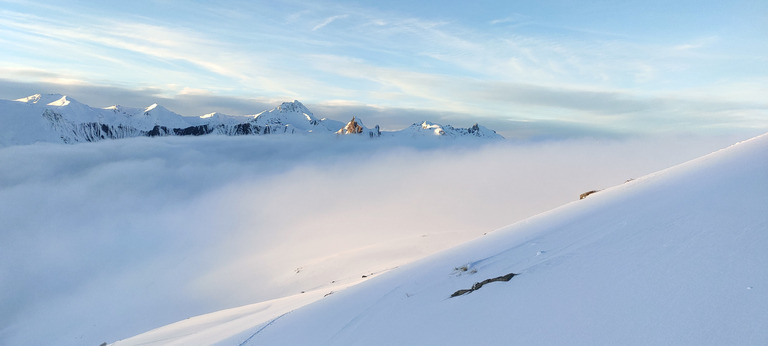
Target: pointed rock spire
point(352, 127)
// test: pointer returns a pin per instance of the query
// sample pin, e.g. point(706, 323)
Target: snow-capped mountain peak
point(63, 101)
point(427, 128)
point(151, 107)
point(288, 117)
point(353, 126)
point(46, 99)
point(30, 99)
point(296, 107)
point(478, 130)
point(158, 109)
point(125, 110)
point(435, 128)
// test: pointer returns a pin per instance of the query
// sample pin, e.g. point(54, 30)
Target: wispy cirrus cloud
point(697, 43)
point(150, 40)
point(142, 53)
point(515, 18)
point(327, 21)
point(317, 52)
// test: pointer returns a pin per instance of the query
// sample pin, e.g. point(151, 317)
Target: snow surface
point(675, 257)
point(230, 326)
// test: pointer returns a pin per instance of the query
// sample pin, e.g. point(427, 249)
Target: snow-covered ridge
point(59, 118)
point(427, 128)
point(42, 98)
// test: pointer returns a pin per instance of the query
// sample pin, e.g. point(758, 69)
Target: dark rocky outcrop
point(158, 131)
point(480, 284)
point(585, 194)
point(193, 131)
point(245, 129)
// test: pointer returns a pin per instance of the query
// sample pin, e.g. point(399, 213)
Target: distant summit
point(288, 117)
point(427, 128)
point(356, 127)
point(295, 107)
point(351, 128)
point(59, 118)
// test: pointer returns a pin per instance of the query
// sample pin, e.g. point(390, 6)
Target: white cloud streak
point(141, 52)
point(145, 39)
point(327, 21)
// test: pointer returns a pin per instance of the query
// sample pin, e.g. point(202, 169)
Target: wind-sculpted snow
point(102, 241)
point(58, 118)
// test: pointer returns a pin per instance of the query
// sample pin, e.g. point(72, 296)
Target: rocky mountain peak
point(295, 107)
point(352, 127)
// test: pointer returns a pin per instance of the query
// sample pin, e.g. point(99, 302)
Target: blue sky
point(561, 66)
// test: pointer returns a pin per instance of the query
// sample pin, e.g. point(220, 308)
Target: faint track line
point(262, 328)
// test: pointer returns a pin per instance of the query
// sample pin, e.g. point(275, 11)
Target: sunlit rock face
point(355, 126)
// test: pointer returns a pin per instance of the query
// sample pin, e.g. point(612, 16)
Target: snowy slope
point(23, 123)
point(58, 118)
point(289, 117)
point(676, 257)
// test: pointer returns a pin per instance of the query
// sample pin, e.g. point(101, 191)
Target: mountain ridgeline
point(58, 118)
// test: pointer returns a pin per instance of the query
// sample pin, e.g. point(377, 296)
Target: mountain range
point(59, 118)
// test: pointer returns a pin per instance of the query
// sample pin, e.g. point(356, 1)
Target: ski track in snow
point(245, 342)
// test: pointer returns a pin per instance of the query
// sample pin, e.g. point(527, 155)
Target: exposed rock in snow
point(585, 194)
point(351, 128)
point(355, 126)
point(480, 284)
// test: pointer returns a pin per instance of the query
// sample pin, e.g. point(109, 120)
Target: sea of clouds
point(102, 241)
